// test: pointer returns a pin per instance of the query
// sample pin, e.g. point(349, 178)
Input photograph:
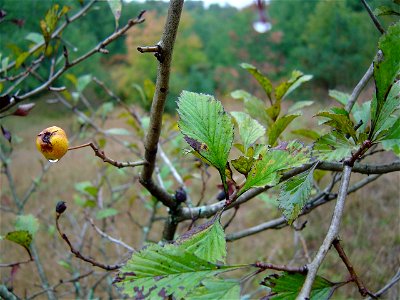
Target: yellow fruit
point(52, 142)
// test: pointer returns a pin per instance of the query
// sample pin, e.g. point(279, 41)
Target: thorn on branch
point(157, 50)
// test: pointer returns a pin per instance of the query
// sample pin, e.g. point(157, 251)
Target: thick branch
point(320, 199)
point(330, 236)
point(157, 108)
point(207, 211)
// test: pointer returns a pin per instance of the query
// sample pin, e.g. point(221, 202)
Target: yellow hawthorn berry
point(52, 142)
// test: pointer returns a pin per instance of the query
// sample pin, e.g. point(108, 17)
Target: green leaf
point(385, 11)
point(278, 127)
point(333, 146)
point(288, 285)
point(116, 8)
point(216, 289)
point(35, 37)
point(391, 104)
point(158, 271)
point(308, 133)
point(392, 140)
point(21, 237)
point(243, 164)
point(339, 119)
point(249, 129)
point(287, 87)
point(49, 24)
point(83, 82)
point(117, 131)
point(255, 107)
point(386, 68)
point(106, 213)
point(263, 80)
point(21, 59)
point(207, 128)
point(362, 114)
point(340, 97)
point(265, 170)
point(299, 105)
point(294, 194)
point(28, 223)
point(206, 241)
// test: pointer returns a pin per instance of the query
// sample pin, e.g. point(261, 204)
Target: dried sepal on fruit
point(52, 142)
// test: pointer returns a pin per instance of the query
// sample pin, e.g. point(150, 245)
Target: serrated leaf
point(386, 68)
point(207, 128)
point(294, 194)
point(278, 127)
point(339, 119)
point(391, 104)
point(255, 107)
point(299, 105)
point(333, 146)
point(206, 241)
point(21, 237)
point(106, 213)
point(28, 223)
point(262, 79)
point(158, 271)
point(117, 131)
point(116, 8)
point(288, 285)
point(243, 164)
point(249, 129)
point(265, 170)
point(216, 289)
point(392, 140)
point(339, 96)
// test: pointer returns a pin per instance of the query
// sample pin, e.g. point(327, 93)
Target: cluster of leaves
point(191, 267)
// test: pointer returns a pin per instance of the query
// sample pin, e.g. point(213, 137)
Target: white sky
point(237, 3)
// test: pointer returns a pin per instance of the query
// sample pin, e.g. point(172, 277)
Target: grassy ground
point(370, 230)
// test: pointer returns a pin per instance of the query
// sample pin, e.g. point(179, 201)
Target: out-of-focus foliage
point(318, 37)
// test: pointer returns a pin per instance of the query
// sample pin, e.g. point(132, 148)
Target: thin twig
point(110, 238)
point(61, 282)
point(395, 279)
point(373, 17)
point(100, 48)
point(81, 256)
point(7, 265)
point(266, 266)
point(359, 87)
point(102, 155)
point(361, 287)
